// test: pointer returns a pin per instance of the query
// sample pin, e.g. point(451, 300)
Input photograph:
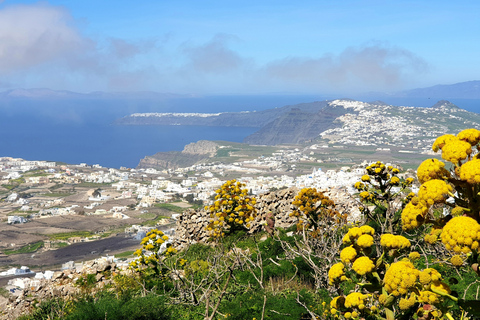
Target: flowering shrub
point(382, 188)
point(233, 209)
point(392, 281)
point(151, 254)
point(313, 209)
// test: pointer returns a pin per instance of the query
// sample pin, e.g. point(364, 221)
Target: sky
point(238, 47)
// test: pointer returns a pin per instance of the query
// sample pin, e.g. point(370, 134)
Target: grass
point(147, 216)
point(126, 254)
point(29, 248)
point(153, 222)
point(67, 235)
point(170, 207)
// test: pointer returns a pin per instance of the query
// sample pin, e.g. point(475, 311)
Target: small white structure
point(16, 219)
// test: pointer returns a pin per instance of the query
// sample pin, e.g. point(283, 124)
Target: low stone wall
point(191, 225)
point(62, 285)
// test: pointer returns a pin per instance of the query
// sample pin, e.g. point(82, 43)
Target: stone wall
point(62, 285)
point(191, 225)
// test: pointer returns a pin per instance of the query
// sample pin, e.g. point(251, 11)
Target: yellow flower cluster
point(429, 275)
point(355, 300)
point(376, 168)
point(355, 232)
point(365, 178)
point(394, 181)
point(431, 169)
point(348, 254)
point(456, 260)
point(150, 253)
point(406, 304)
point(471, 136)
point(455, 150)
point(232, 207)
point(470, 171)
point(400, 277)
point(314, 207)
point(365, 241)
point(432, 237)
point(428, 297)
point(457, 211)
point(336, 272)
point(414, 255)
point(390, 241)
point(461, 234)
point(442, 140)
point(434, 191)
point(413, 215)
point(363, 265)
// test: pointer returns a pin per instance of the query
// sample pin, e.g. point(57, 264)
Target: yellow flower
point(348, 254)
point(400, 277)
point(365, 241)
point(456, 260)
point(471, 136)
point(354, 299)
point(440, 141)
point(431, 169)
point(456, 150)
point(335, 272)
point(461, 234)
point(365, 178)
point(390, 241)
point(363, 265)
point(414, 255)
point(413, 214)
point(470, 171)
point(434, 191)
point(395, 180)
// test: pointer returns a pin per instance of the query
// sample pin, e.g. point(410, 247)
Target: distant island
point(373, 123)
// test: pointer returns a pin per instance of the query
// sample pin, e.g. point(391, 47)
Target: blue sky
point(238, 47)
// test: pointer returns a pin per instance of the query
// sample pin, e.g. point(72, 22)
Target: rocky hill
point(341, 121)
point(191, 154)
point(297, 126)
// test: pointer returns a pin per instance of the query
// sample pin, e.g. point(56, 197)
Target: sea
point(82, 130)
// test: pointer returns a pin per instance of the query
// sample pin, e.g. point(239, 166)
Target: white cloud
point(34, 34)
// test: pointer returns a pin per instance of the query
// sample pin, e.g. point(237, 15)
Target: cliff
point(297, 126)
point(191, 154)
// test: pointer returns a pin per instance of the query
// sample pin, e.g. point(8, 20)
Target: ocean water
point(77, 131)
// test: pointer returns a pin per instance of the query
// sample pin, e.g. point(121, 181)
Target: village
point(50, 207)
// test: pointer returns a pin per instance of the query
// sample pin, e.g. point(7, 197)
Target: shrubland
point(411, 255)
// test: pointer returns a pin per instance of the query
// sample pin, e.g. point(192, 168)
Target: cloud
point(33, 34)
point(368, 67)
point(41, 46)
point(213, 57)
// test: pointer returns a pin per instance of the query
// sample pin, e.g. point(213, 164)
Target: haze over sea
point(77, 131)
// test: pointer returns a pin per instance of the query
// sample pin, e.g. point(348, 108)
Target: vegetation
point(170, 207)
point(68, 235)
point(29, 248)
point(410, 256)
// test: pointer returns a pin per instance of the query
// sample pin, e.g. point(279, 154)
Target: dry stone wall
point(191, 225)
point(62, 285)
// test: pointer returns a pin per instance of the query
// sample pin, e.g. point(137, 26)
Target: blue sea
point(77, 131)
